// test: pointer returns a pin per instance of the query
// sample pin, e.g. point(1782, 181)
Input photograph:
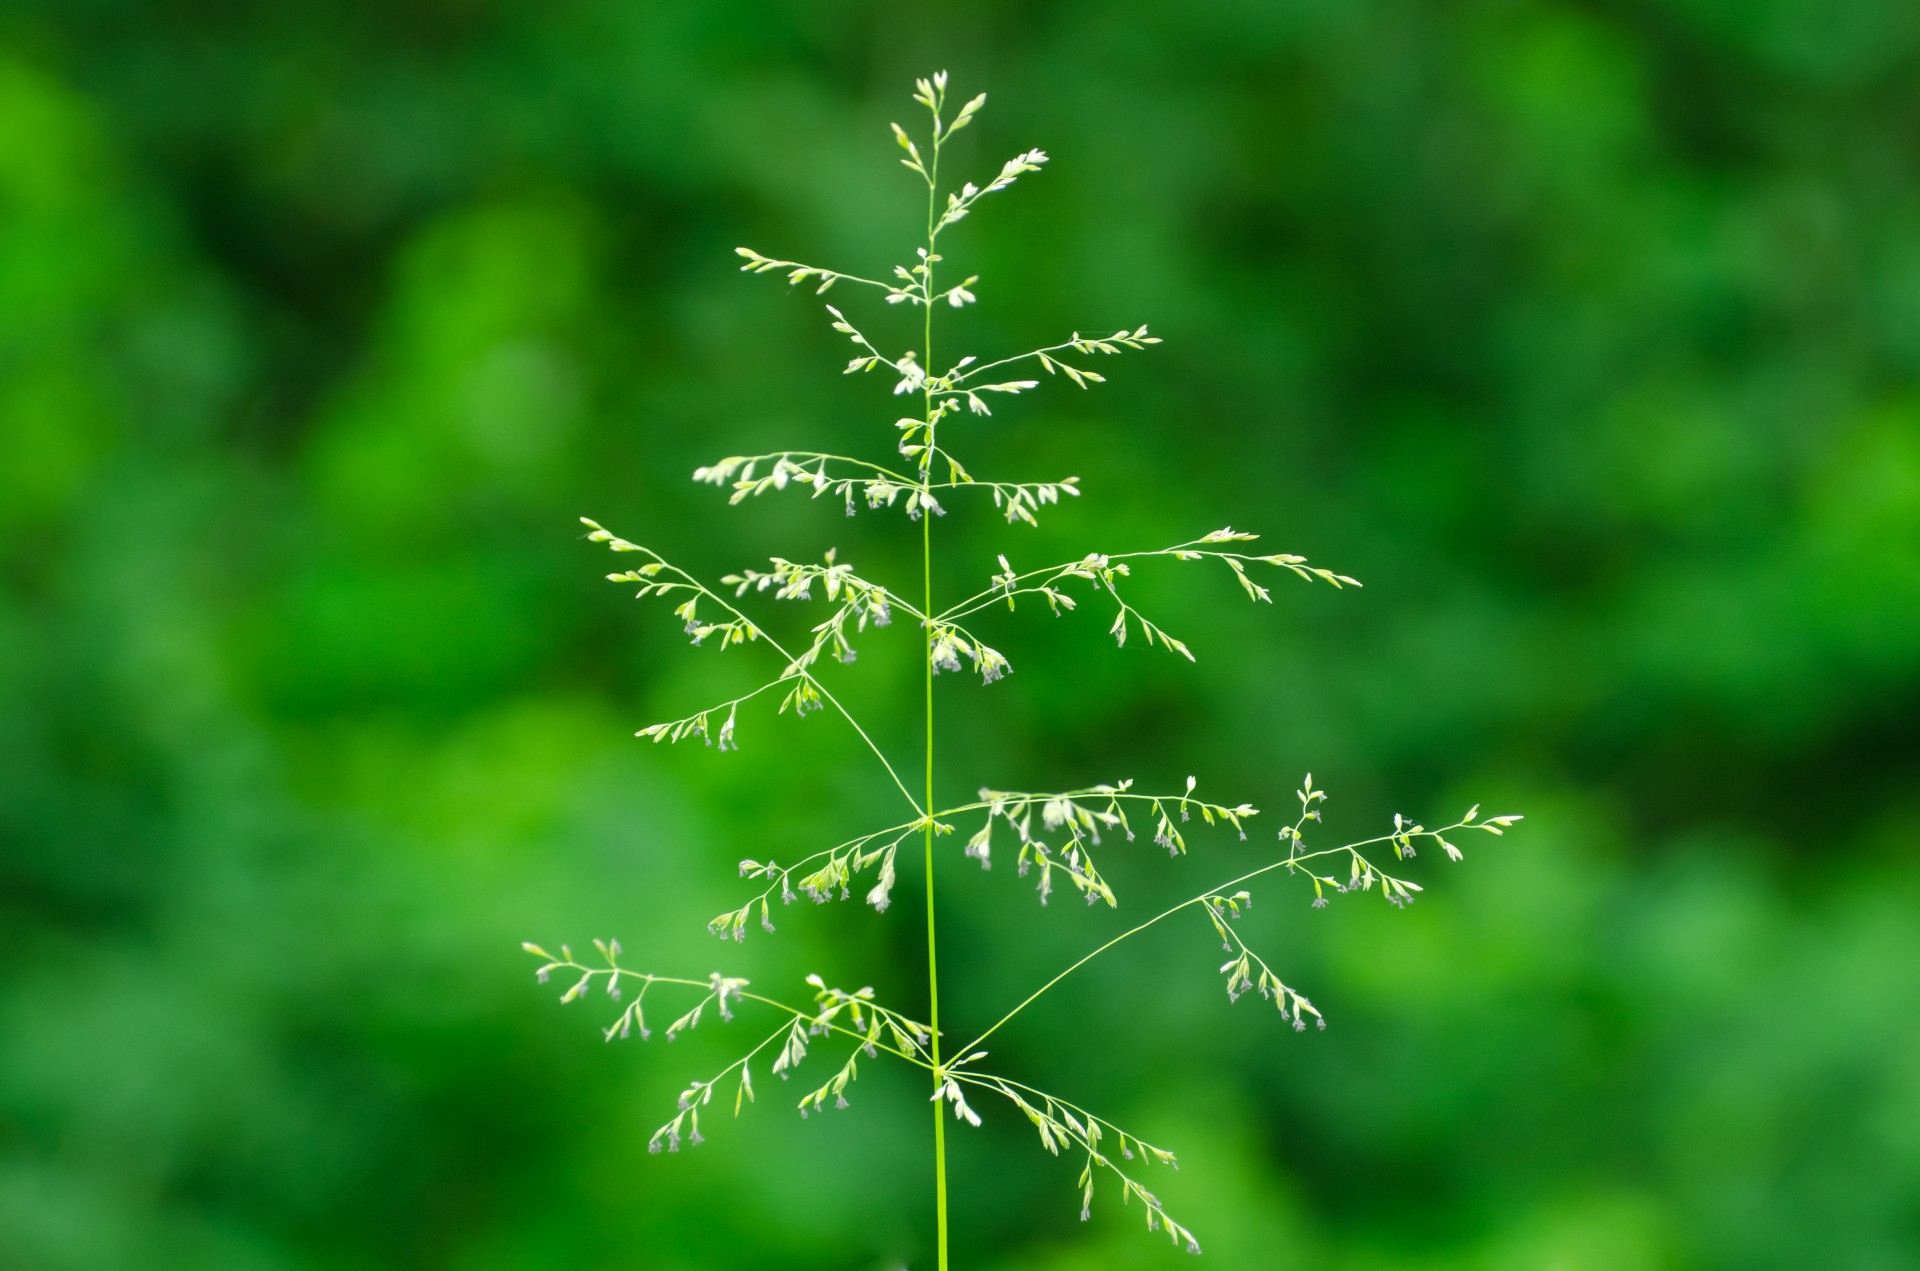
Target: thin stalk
point(926, 582)
point(972, 371)
point(933, 948)
point(826, 694)
point(871, 744)
point(796, 456)
point(981, 600)
point(1292, 862)
point(648, 980)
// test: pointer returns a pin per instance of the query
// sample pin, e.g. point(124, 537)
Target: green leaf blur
point(1588, 336)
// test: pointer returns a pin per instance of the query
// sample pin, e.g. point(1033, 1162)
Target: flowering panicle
point(1060, 838)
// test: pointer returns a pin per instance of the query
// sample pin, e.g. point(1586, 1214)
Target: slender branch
point(1009, 584)
point(1084, 345)
point(957, 377)
point(826, 694)
point(1092, 792)
point(1063, 483)
point(871, 744)
point(783, 875)
point(676, 729)
point(993, 1080)
point(1059, 807)
point(1061, 1123)
point(718, 472)
point(1292, 862)
point(854, 333)
point(648, 980)
point(798, 273)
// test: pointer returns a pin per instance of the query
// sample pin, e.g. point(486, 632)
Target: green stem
point(933, 973)
point(926, 579)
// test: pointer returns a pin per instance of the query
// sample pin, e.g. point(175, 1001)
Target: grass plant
point(1056, 837)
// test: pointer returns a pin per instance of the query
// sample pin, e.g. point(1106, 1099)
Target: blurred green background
point(1587, 335)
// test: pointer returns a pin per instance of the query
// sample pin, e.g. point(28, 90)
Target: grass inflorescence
point(1056, 838)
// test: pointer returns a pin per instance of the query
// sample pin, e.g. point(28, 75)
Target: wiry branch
point(751, 475)
point(840, 865)
point(1081, 815)
point(1362, 876)
point(964, 370)
point(798, 273)
point(874, 1028)
point(961, 202)
point(1223, 912)
point(1019, 500)
point(1067, 1126)
point(700, 722)
point(858, 601)
point(1105, 571)
point(804, 468)
point(658, 576)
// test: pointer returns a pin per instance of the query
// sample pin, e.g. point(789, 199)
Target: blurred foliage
point(1588, 335)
